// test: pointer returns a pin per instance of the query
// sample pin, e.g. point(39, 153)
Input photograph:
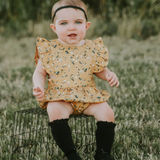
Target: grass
point(136, 102)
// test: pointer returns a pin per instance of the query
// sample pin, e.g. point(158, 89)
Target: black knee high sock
point(62, 134)
point(104, 137)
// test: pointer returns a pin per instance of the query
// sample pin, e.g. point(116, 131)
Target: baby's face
point(70, 26)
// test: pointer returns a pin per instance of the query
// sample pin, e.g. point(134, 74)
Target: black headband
point(70, 6)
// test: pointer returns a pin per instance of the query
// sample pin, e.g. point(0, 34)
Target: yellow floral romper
point(73, 67)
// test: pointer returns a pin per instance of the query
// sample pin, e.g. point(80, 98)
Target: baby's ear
point(53, 27)
point(88, 25)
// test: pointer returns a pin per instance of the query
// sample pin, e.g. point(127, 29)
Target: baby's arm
point(111, 77)
point(39, 77)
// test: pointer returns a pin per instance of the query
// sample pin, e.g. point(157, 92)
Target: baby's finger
point(41, 89)
point(114, 83)
point(38, 89)
point(36, 93)
point(111, 81)
point(40, 95)
point(41, 99)
point(117, 84)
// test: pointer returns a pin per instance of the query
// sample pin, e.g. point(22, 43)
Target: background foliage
point(15, 15)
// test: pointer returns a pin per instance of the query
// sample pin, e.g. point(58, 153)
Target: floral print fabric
point(73, 67)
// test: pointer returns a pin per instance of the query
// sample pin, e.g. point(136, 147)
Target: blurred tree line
point(15, 13)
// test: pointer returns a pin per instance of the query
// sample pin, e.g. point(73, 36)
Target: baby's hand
point(38, 92)
point(112, 79)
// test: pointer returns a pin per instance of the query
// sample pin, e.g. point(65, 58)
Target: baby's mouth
point(72, 35)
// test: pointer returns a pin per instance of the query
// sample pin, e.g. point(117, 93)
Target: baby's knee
point(107, 109)
point(107, 112)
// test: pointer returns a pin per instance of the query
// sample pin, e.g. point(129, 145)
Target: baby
point(70, 62)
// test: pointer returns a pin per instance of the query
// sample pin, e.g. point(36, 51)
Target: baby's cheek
point(82, 33)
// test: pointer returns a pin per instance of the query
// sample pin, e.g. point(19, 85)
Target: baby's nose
point(72, 27)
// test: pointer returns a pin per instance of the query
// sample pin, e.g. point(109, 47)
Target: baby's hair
point(61, 3)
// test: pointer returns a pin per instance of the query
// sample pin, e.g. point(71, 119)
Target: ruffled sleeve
point(42, 47)
point(101, 55)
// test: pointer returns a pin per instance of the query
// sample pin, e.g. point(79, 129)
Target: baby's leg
point(59, 113)
point(100, 111)
point(59, 110)
point(105, 129)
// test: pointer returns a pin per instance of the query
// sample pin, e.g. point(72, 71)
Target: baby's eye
point(78, 22)
point(63, 23)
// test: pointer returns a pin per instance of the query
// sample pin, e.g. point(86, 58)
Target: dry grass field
point(136, 102)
